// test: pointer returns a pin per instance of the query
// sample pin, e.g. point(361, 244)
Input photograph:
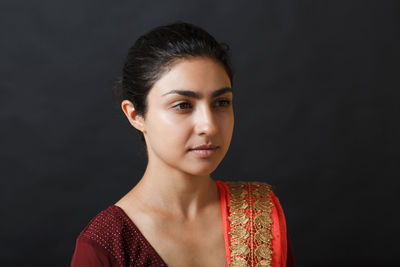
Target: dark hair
point(154, 53)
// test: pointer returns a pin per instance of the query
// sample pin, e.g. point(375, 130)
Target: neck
point(171, 191)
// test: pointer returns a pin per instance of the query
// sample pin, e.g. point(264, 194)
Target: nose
point(205, 123)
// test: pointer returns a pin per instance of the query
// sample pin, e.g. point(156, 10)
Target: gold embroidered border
point(250, 238)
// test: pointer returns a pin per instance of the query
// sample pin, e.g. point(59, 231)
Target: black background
point(316, 115)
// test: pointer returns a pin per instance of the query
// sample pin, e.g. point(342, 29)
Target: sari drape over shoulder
point(253, 223)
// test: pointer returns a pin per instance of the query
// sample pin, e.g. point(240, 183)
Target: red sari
point(253, 223)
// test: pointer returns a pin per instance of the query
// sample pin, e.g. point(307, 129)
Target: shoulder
point(255, 184)
point(253, 205)
point(112, 237)
point(258, 194)
point(260, 189)
point(106, 226)
point(103, 238)
point(243, 183)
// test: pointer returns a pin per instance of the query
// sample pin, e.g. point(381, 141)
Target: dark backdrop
point(316, 112)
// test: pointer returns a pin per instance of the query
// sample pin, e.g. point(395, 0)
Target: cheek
point(227, 131)
point(172, 124)
point(227, 123)
point(168, 128)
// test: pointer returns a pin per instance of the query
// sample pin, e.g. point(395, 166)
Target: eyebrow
point(197, 96)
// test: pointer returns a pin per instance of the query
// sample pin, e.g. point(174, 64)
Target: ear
point(136, 120)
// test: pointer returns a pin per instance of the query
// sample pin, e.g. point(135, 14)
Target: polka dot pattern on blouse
point(114, 233)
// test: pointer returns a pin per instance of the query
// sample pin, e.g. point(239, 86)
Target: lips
point(205, 147)
point(204, 151)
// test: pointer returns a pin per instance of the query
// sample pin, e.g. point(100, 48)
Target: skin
point(176, 201)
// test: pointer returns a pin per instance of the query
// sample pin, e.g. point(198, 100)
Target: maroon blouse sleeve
point(112, 239)
point(89, 253)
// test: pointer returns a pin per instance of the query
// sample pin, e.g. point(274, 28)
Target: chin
point(201, 171)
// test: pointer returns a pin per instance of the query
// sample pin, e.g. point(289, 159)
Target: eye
point(223, 103)
point(182, 106)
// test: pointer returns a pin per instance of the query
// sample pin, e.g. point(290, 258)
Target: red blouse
point(112, 239)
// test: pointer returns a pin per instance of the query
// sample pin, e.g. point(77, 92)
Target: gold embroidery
point(262, 251)
point(239, 233)
point(263, 263)
point(251, 225)
point(250, 238)
point(261, 190)
point(262, 205)
point(235, 204)
point(239, 262)
point(262, 219)
point(238, 218)
point(263, 235)
point(239, 249)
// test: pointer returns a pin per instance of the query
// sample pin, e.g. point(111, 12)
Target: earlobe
point(135, 119)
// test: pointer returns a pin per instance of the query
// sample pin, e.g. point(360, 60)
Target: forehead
point(201, 75)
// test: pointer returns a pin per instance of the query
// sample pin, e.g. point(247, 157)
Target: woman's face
point(189, 106)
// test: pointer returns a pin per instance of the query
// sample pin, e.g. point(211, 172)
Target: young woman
point(176, 91)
